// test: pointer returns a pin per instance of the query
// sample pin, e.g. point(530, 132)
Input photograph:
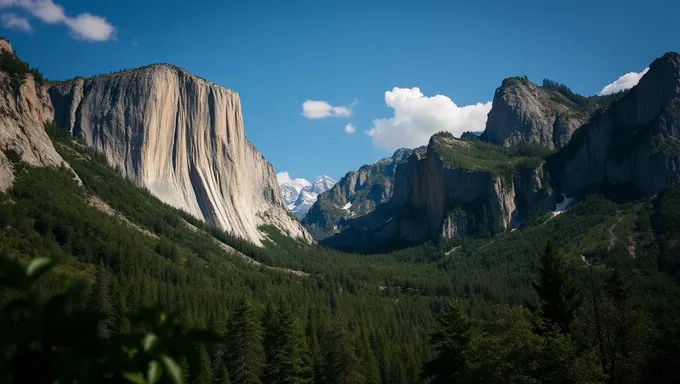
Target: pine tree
point(287, 360)
point(100, 300)
point(558, 292)
point(624, 330)
point(244, 347)
point(450, 341)
point(340, 365)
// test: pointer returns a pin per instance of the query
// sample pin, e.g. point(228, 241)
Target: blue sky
point(277, 55)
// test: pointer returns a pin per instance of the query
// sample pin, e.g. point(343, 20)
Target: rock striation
point(181, 137)
point(25, 108)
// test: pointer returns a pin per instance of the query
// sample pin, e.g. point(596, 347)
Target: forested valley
point(101, 282)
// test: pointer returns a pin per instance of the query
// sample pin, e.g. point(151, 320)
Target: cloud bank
point(84, 26)
point(319, 109)
point(627, 81)
point(417, 117)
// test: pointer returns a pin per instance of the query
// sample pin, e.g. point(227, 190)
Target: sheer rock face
point(635, 142)
point(23, 114)
point(181, 137)
point(524, 112)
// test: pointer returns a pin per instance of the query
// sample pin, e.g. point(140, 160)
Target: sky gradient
point(370, 71)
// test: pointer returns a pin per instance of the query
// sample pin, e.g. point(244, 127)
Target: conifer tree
point(287, 360)
point(100, 299)
point(624, 329)
point(558, 292)
point(450, 341)
point(340, 365)
point(244, 345)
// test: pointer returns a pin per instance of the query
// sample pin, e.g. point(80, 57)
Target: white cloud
point(135, 43)
point(629, 80)
point(12, 21)
point(90, 27)
point(350, 129)
point(284, 178)
point(45, 10)
point(84, 26)
point(318, 109)
point(417, 117)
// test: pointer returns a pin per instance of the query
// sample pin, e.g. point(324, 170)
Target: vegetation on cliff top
point(473, 154)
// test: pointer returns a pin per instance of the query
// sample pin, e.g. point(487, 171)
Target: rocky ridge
point(181, 137)
point(25, 108)
point(523, 112)
point(356, 194)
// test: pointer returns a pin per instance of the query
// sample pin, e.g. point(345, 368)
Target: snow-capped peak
point(299, 194)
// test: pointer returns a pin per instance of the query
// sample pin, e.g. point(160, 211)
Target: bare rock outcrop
point(24, 110)
point(525, 112)
point(181, 137)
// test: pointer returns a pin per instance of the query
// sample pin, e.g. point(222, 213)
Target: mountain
point(300, 194)
point(181, 137)
point(634, 143)
point(356, 194)
point(25, 107)
point(523, 112)
point(624, 145)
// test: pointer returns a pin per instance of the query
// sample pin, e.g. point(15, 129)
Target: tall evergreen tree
point(558, 292)
point(340, 365)
point(244, 345)
point(624, 329)
point(287, 359)
point(100, 299)
point(450, 341)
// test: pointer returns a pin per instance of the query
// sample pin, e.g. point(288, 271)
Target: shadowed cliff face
point(24, 110)
point(635, 142)
point(182, 138)
point(454, 188)
point(358, 193)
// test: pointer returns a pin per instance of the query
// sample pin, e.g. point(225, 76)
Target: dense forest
point(101, 282)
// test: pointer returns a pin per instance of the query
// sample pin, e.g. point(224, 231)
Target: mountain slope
point(182, 138)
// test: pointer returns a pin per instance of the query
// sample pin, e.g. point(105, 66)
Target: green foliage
point(244, 347)
point(63, 340)
point(17, 70)
point(558, 293)
point(479, 156)
point(285, 347)
point(450, 342)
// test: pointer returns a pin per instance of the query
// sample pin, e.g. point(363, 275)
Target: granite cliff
point(24, 109)
point(181, 137)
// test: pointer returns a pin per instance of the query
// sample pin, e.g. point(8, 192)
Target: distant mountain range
point(299, 194)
